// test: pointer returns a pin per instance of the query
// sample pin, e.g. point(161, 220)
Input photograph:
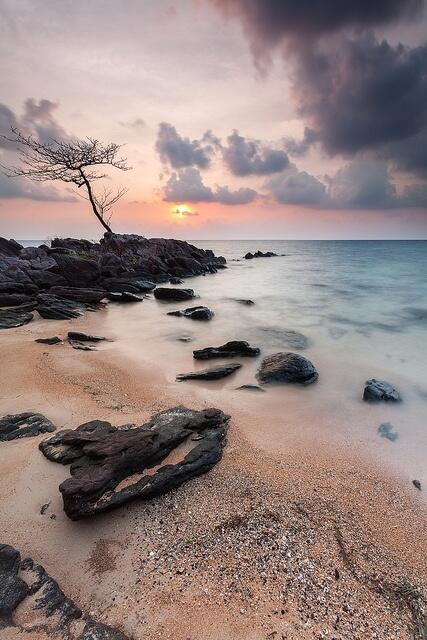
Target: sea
point(361, 309)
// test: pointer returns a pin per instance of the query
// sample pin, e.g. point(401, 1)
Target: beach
point(289, 536)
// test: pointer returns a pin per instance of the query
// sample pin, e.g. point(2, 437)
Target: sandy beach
point(284, 538)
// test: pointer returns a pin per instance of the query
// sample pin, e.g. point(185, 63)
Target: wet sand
point(287, 537)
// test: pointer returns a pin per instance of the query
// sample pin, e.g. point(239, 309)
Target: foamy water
point(363, 308)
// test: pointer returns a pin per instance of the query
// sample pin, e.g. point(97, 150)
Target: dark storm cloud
point(187, 185)
point(297, 187)
point(299, 148)
point(245, 157)
point(179, 152)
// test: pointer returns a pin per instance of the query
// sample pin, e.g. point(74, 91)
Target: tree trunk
point(93, 203)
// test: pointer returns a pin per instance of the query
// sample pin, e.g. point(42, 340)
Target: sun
point(182, 210)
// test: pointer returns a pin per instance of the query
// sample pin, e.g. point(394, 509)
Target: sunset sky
point(240, 118)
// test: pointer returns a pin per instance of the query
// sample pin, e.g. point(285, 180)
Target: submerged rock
point(102, 458)
point(386, 430)
point(53, 340)
point(10, 318)
point(49, 613)
point(214, 373)
point(194, 313)
point(228, 350)
point(287, 337)
point(167, 293)
point(377, 390)
point(245, 301)
point(287, 367)
point(53, 308)
point(24, 425)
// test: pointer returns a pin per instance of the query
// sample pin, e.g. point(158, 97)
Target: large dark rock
point(49, 613)
point(260, 254)
point(24, 425)
point(84, 337)
point(214, 373)
point(21, 288)
point(168, 293)
point(125, 296)
point(77, 271)
point(132, 284)
point(78, 294)
point(54, 308)
point(377, 390)
point(10, 318)
point(13, 299)
point(47, 279)
point(102, 458)
point(194, 313)
point(228, 350)
point(10, 247)
point(287, 367)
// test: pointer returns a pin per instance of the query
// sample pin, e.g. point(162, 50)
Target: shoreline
point(143, 555)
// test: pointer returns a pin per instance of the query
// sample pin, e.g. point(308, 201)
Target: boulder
point(234, 348)
point(194, 313)
point(128, 283)
point(18, 288)
point(84, 337)
point(77, 271)
point(54, 308)
point(78, 294)
point(167, 293)
point(10, 247)
point(13, 299)
point(53, 340)
point(49, 613)
point(125, 296)
point(214, 373)
point(102, 458)
point(378, 390)
point(24, 425)
point(10, 318)
point(46, 279)
point(287, 367)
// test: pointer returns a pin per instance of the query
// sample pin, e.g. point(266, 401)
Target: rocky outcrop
point(13, 299)
point(194, 313)
point(234, 348)
point(110, 466)
point(177, 295)
point(379, 390)
point(10, 247)
point(260, 254)
point(287, 367)
point(10, 318)
point(24, 425)
point(214, 373)
point(49, 613)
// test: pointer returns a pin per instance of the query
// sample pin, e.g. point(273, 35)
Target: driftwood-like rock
point(50, 614)
point(214, 373)
point(108, 463)
point(287, 367)
point(194, 313)
point(53, 340)
point(177, 295)
point(234, 348)
point(10, 318)
point(24, 425)
point(377, 390)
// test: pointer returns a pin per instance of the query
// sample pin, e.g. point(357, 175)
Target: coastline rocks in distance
point(260, 254)
point(214, 373)
point(48, 610)
point(379, 390)
point(11, 318)
point(231, 349)
point(194, 313)
point(24, 425)
point(53, 340)
point(178, 295)
point(103, 457)
point(287, 367)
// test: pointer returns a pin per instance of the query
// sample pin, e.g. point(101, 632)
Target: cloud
point(245, 156)
point(38, 119)
point(297, 187)
point(179, 152)
point(186, 185)
point(22, 188)
point(363, 183)
point(300, 147)
point(136, 123)
point(180, 211)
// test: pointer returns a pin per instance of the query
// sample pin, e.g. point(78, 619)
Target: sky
point(240, 119)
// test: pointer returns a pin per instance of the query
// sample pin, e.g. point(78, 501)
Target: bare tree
point(71, 161)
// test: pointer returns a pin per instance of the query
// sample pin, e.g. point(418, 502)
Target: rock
point(417, 484)
point(214, 373)
point(134, 285)
point(250, 387)
point(287, 367)
point(102, 458)
point(385, 430)
point(24, 425)
point(377, 390)
point(10, 318)
point(228, 350)
point(287, 337)
point(54, 308)
point(185, 339)
point(125, 296)
point(18, 287)
point(13, 299)
point(81, 345)
point(44, 508)
point(49, 613)
point(176, 281)
point(194, 313)
point(78, 294)
point(10, 247)
point(54, 340)
point(167, 293)
point(84, 337)
point(260, 254)
point(246, 302)
point(46, 279)
point(77, 271)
